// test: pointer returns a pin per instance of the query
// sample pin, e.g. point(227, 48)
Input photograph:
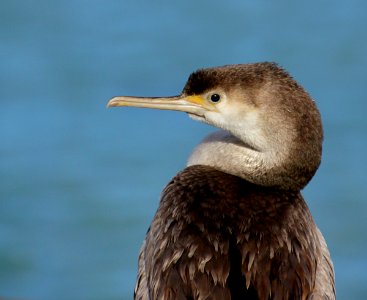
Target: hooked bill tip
point(112, 103)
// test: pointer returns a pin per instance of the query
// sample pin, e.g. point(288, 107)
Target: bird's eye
point(215, 98)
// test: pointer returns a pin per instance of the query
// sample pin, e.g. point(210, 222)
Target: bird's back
point(217, 236)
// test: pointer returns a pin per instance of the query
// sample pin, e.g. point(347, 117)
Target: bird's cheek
point(217, 119)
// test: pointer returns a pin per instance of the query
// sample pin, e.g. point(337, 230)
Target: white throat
point(225, 152)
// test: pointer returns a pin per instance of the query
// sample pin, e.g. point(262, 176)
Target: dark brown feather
point(217, 236)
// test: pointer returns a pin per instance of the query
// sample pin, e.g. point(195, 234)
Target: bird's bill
point(194, 104)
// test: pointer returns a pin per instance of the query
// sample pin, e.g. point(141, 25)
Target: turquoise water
point(79, 183)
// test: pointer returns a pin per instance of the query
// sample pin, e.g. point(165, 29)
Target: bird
point(233, 223)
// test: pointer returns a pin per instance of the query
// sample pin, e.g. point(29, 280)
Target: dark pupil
point(215, 97)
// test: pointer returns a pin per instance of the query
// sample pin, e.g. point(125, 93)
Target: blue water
point(79, 183)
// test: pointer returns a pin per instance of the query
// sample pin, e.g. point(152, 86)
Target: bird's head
point(260, 104)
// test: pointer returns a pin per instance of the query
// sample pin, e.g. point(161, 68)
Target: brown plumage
point(233, 224)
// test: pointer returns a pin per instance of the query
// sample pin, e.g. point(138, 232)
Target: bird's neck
point(225, 152)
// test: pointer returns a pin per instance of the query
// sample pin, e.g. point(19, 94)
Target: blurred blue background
point(79, 183)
